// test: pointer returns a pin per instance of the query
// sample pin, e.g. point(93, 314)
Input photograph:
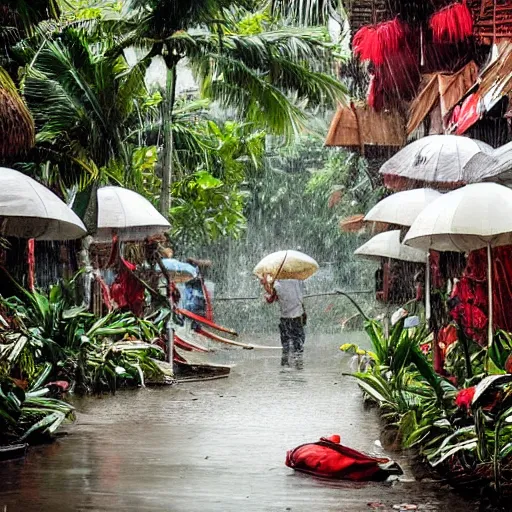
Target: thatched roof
point(357, 126)
point(16, 123)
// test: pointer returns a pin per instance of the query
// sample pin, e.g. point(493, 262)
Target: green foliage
point(209, 204)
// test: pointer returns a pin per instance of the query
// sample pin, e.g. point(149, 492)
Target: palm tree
point(83, 103)
point(17, 19)
point(255, 73)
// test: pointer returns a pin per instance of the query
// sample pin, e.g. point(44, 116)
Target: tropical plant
point(309, 12)
point(84, 105)
point(250, 72)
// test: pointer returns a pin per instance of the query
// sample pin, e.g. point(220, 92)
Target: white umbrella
point(128, 214)
point(470, 218)
point(438, 159)
point(495, 166)
point(30, 210)
point(402, 208)
point(286, 265)
point(388, 245)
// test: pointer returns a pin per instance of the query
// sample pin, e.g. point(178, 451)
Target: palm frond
point(16, 123)
point(307, 12)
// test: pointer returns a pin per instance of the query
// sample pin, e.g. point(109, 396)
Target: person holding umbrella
point(289, 294)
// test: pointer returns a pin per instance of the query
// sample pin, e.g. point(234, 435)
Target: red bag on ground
point(329, 459)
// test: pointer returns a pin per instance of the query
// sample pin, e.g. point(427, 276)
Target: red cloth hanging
point(452, 24)
point(127, 291)
point(208, 300)
point(471, 295)
point(105, 292)
point(31, 261)
point(468, 114)
point(329, 459)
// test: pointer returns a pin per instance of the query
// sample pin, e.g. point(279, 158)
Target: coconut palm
point(253, 71)
point(17, 20)
point(83, 104)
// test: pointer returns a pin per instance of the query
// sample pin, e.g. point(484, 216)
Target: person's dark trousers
point(292, 338)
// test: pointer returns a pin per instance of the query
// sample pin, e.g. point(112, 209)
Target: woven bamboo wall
point(366, 12)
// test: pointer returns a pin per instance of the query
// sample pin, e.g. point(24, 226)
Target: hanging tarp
point(494, 83)
point(443, 89)
point(356, 126)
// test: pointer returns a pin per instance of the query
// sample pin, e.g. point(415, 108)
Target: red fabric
point(465, 397)
point(114, 252)
point(375, 42)
point(209, 305)
point(468, 114)
point(126, 291)
point(436, 276)
point(31, 260)
point(105, 292)
point(452, 24)
point(397, 78)
point(470, 293)
point(327, 458)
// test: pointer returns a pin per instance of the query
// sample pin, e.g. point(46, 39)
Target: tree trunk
point(168, 149)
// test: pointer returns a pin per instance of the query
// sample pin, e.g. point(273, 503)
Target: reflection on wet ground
point(215, 446)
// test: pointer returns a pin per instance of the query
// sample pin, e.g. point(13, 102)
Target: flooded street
point(215, 446)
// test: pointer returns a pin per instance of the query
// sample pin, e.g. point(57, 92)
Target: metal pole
point(428, 307)
point(489, 288)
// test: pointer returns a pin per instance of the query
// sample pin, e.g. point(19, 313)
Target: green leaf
point(49, 424)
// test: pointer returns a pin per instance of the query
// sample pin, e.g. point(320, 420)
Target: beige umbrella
point(470, 218)
point(127, 214)
point(30, 210)
point(402, 208)
point(388, 245)
point(286, 265)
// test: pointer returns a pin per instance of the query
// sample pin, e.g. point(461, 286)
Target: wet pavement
point(216, 446)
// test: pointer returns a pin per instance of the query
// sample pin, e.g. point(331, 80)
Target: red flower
point(425, 348)
point(508, 364)
point(465, 397)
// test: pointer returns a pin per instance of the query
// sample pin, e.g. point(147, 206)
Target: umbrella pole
point(428, 307)
point(489, 288)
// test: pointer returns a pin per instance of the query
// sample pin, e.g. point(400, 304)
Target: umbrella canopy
point(472, 217)
point(179, 272)
point(402, 208)
point(128, 214)
point(495, 166)
point(464, 220)
point(388, 245)
point(30, 210)
point(286, 265)
point(438, 160)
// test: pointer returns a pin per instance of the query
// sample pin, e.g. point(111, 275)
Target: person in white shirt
point(289, 294)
